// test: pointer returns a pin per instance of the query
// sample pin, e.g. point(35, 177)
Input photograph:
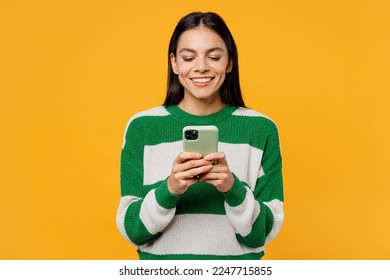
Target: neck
point(201, 107)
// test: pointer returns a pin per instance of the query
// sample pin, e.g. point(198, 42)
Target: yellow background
point(73, 72)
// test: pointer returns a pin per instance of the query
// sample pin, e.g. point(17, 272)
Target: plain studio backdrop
point(72, 73)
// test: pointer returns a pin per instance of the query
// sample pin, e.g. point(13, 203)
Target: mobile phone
point(200, 139)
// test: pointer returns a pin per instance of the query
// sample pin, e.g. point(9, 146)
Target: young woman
point(179, 205)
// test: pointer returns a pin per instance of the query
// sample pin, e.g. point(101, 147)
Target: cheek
point(221, 77)
point(182, 81)
point(183, 69)
point(220, 69)
point(223, 70)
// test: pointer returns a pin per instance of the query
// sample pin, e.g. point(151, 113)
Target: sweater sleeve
point(257, 216)
point(143, 212)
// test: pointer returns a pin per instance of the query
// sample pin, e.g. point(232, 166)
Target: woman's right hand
point(186, 170)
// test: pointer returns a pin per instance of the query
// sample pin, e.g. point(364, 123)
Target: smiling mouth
point(202, 81)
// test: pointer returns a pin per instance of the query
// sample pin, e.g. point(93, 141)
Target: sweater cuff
point(164, 197)
point(237, 193)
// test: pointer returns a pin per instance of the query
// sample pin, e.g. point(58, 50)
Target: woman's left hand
point(220, 175)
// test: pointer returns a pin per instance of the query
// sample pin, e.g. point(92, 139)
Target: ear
point(173, 63)
point(230, 66)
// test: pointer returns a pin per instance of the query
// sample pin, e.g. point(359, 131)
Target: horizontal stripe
point(243, 216)
point(200, 234)
point(155, 217)
point(209, 119)
point(250, 256)
point(201, 198)
point(158, 161)
point(243, 160)
point(121, 214)
point(276, 207)
point(158, 126)
point(154, 112)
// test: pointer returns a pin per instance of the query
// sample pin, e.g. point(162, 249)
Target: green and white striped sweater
point(202, 223)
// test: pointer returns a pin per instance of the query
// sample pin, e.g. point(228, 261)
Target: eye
point(188, 58)
point(215, 58)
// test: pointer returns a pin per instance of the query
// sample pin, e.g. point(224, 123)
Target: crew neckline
point(216, 117)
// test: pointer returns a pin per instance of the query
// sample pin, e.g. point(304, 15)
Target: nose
point(202, 65)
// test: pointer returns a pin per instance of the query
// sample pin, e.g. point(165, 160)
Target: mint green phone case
point(207, 141)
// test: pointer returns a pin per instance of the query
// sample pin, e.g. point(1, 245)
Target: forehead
point(200, 39)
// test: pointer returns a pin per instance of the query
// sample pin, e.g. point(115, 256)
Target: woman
point(179, 205)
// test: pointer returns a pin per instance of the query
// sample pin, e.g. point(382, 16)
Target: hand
point(220, 175)
point(186, 170)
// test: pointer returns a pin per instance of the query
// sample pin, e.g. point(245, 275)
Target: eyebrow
point(193, 51)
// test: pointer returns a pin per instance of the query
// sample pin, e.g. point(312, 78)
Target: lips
point(202, 81)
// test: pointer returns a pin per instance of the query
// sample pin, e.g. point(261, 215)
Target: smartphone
point(200, 139)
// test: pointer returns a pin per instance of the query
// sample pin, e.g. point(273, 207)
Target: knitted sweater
point(202, 223)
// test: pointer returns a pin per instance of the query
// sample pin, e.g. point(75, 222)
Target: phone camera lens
point(191, 134)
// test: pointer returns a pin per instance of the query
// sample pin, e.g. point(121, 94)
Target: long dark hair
point(230, 89)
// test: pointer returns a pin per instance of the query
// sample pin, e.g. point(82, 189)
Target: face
point(201, 63)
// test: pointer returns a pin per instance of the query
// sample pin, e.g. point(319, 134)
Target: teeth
point(202, 80)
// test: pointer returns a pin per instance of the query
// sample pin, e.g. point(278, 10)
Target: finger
point(218, 156)
point(219, 168)
point(190, 164)
point(194, 172)
point(196, 163)
point(184, 156)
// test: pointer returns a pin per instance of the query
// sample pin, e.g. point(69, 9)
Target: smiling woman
point(201, 63)
point(180, 205)
point(213, 36)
